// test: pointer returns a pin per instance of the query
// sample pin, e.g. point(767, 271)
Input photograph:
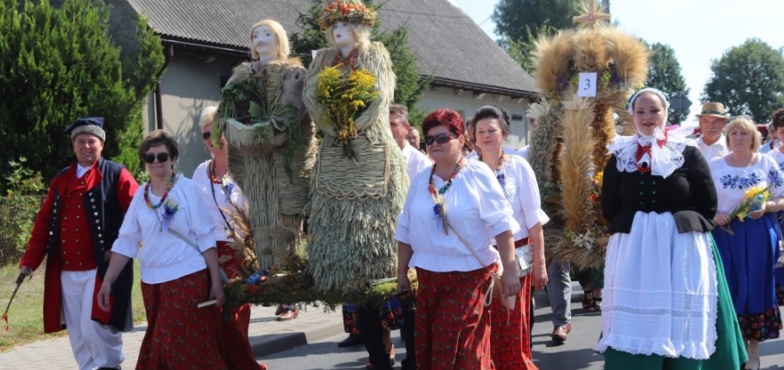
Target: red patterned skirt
point(180, 335)
point(510, 333)
point(233, 323)
point(452, 325)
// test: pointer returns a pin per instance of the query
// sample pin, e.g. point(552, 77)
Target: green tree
point(524, 20)
point(748, 79)
point(57, 64)
point(665, 75)
point(409, 87)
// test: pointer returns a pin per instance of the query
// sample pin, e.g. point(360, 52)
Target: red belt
point(518, 243)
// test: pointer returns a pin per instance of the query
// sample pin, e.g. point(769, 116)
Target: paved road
point(576, 354)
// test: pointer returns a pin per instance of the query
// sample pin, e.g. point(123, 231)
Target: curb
point(268, 344)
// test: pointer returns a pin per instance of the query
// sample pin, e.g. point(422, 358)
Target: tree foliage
point(409, 86)
point(524, 20)
point(748, 79)
point(665, 75)
point(58, 64)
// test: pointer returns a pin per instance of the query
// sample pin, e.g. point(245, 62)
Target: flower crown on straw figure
point(351, 11)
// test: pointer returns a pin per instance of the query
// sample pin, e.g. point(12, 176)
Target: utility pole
point(606, 6)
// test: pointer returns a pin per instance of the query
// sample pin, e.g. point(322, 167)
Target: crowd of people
point(689, 282)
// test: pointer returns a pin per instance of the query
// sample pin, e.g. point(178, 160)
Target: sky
point(698, 30)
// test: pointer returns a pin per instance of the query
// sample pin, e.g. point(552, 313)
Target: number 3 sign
point(587, 87)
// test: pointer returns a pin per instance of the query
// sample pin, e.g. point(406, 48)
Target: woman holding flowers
point(359, 181)
point(511, 335)
point(748, 238)
point(223, 198)
point(666, 303)
point(451, 215)
point(170, 229)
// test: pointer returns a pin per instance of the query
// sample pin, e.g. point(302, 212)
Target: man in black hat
point(75, 229)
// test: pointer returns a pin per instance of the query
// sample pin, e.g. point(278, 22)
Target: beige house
point(203, 40)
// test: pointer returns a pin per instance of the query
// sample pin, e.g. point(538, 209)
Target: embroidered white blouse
point(778, 156)
point(416, 161)
point(522, 191)
point(475, 206)
point(733, 182)
point(227, 194)
point(162, 255)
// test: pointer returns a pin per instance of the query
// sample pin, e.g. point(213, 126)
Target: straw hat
point(713, 110)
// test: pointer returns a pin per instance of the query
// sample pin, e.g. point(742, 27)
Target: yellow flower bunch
point(742, 211)
point(344, 97)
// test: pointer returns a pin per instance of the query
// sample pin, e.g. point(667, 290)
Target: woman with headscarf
point(666, 302)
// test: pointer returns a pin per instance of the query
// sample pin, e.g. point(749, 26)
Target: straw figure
point(569, 143)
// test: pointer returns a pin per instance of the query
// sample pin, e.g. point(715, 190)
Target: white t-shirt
point(416, 161)
point(227, 194)
point(733, 182)
point(162, 255)
point(475, 206)
point(718, 149)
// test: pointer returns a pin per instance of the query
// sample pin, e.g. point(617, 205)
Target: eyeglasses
point(206, 135)
point(440, 138)
point(150, 157)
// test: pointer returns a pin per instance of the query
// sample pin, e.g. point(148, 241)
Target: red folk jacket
point(105, 201)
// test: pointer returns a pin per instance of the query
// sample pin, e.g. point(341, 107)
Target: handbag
point(525, 259)
point(496, 284)
point(780, 259)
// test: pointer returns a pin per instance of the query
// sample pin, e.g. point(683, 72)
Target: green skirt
point(730, 349)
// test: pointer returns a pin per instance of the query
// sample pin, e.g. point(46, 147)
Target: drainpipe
point(168, 53)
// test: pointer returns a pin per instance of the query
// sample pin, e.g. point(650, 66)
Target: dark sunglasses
point(150, 157)
point(440, 138)
point(206, 135)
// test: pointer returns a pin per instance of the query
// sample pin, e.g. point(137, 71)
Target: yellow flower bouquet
point(344, 97)
point(753, 197)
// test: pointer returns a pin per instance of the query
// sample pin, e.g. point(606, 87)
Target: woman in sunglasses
point(511, 336)
point(169, 228)
point(451, 214)
point(224, 197)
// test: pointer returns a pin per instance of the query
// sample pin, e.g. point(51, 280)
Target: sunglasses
point(150, 157)
point(206, 135)
point(440, 138)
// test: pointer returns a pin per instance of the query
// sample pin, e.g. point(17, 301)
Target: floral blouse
point(732, 183)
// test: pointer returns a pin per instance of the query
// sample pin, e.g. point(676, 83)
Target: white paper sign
point(313, 54)
point(587, 86)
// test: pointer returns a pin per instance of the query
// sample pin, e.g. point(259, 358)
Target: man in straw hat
point(712, 142)
point(75, 229)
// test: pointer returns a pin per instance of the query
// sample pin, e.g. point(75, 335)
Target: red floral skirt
point(180, 335)
point(233, 323)
point(510, 333)
point(452, 325)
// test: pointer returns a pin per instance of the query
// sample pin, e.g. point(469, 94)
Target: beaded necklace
point(163, 198)
point(439, 211)
point(498, 174)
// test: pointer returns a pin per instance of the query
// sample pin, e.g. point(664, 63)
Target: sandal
point(596, 305)
point(587, 302)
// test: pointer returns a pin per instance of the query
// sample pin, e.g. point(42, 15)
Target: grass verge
point(25, 317)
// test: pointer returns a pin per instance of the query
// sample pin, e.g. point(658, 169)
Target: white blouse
point(522, 191)
point(733, 182)
point(227, 194)
point(778, 156)
point(475, 206)
point(162, 255)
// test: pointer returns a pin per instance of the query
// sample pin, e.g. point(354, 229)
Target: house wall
point(192, 81)
point(467, 104)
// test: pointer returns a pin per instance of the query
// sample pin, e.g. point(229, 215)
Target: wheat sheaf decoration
point(569, 143)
